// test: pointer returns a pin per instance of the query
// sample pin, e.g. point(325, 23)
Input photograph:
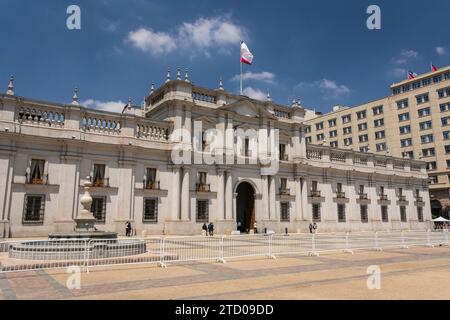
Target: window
point(308, 139)
point(347, 130)
point(441, 93)
point(319, 126)
point(406, 142)
point(320, 137)
point(361, 114)
point(347, 118)
point(384, 214)
point(428, 152)
point(431, 165)
point(448, 163)
point(378, 122)
point(364, 216)
point(425, 125)
point(364, 138)
point(332, 122)
point(381, 146)
point(444, 107)
point(433, 179)
point(348, 141)
point(426, 82)
point(416, 85)
point(98, 208)
point(446, 135)
point(427, 138)
point(422, 98)
point(150, 210)
point(402, 104)
point(379, 134)
point(408, 154)
point(377, 110)
point(33, 211)
point(150, 178)
point(333, 133)
point(361, 189)
point(316, 212)
point(314, 186)
point(403, 217)
point(406, 87)
point(308, 129)
point(445, 121)
point(284, 214)
point(334, 144)
point(339, 187)
point(36, 174)
point(396, 90)
point(447, 76)
point(341, 212)
point(424, 112)
point(204, 140)
point(283, 183)
point(364, 149)
point(437, 79)
point(283, 154)
point(98, 176)
point(362, 126)
point(403, 116)
point(202, 210)
point(246, 147)
point(447, 149)
point(405, 129)
point(420, 214)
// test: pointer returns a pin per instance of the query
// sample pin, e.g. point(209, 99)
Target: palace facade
point(48, 151)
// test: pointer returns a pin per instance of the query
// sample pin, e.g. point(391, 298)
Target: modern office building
point(413, 121)
point(50, 152)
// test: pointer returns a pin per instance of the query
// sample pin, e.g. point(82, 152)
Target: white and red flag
point(433, 67)
point(412, 75)
point(246, 55)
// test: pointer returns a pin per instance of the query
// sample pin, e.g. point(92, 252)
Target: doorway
point(245, 207)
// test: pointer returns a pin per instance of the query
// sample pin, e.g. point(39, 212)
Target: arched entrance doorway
point(436, 209)
point(245, 207)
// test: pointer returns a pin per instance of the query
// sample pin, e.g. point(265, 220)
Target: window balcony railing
point(383, 197)
point(202, 187)
point(99, 183)
point(401, 198)
point(340, 195)
point(151, 185)
point(315, 193)
point(363, 196)
point(33, 180)
point(285, 191)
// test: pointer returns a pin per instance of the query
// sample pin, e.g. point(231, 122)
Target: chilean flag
point(433, 68)
point(411, 75)
point(246, 55)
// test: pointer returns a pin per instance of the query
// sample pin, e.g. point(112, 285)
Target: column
point(229, 142)
point(68, 194)
point(265, 197)
point(185, 196)
point(6, 172)
point(229, 196)
point(306, 213)
point(272, 192)
point(175, 194)
point(220, 195)
point(298, 199)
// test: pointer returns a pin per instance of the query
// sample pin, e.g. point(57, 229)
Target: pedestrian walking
point(311, 227)
point(128, 229)
point(315, 227)
point(211, 229)
point(255, 227)
point(205, 228)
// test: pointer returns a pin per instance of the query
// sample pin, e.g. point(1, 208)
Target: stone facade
point(48, 150)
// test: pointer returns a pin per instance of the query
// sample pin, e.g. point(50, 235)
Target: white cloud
point(153, 42)
point(398, 72)
point(264, 76)
point(441, 51)
point(112, 106)
point(405, 57)
point(255, 93)
point(201, 35)
point(327, 88)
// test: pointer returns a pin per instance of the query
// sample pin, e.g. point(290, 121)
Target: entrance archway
point(245, 207)
point(436, 209)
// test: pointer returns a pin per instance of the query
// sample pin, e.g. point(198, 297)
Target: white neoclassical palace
point(49, 150)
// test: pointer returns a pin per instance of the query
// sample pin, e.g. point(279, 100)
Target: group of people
point(209, 229)
point(312, 227)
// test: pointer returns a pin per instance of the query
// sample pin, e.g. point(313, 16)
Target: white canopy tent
point(440, 219)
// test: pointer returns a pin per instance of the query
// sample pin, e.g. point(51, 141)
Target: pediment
point(249, 109)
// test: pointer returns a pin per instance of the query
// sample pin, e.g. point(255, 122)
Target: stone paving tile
point(271, 263)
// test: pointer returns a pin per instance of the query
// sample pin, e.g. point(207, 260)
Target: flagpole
point(241, 78)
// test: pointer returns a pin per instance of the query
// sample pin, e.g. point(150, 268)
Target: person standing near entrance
point(128, 229)
point(315, 227)
point(255, 227)
point(205, 228)
point(239, 226)
point(311, 227)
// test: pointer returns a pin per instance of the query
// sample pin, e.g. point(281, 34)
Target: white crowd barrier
point(62, 253)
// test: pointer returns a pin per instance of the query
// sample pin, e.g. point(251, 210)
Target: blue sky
point(320, 52)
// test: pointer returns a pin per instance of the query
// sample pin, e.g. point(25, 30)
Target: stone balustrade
point(151, 131)
point(41, 116)
point(199, 96)
point(350, 157)
point(101, 125)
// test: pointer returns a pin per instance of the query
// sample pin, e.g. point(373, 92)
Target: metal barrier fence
point(86, 253)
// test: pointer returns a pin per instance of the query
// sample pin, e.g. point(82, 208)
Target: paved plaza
point(415, 273)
